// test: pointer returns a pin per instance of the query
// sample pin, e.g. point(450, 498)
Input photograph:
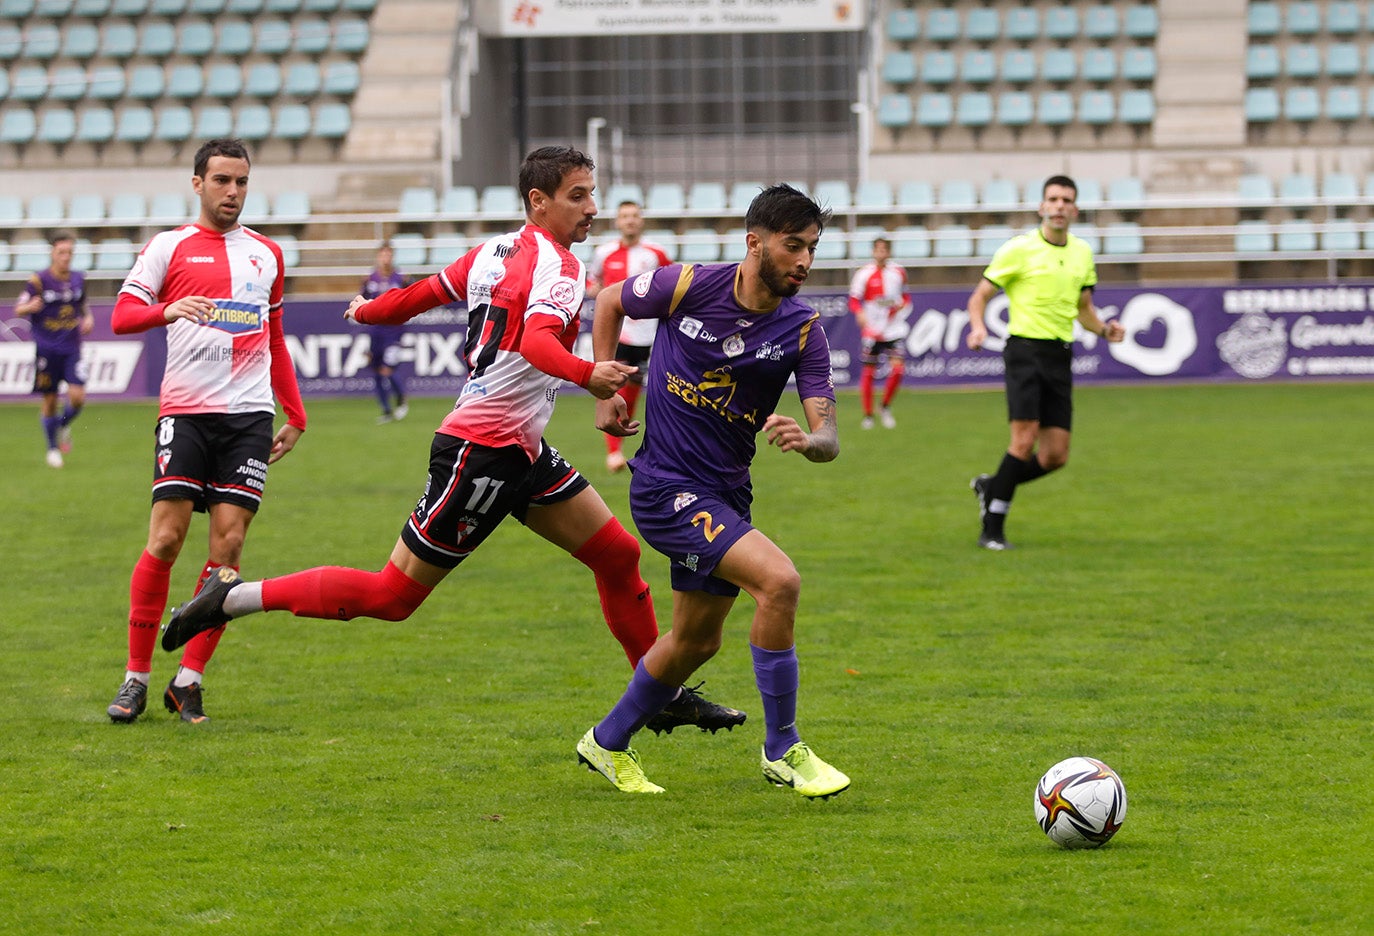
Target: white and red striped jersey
point(613, 262)
point(225, 365)
point(879, 292)
point(507, 400)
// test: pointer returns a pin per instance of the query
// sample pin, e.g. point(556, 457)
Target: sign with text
point(631, 17)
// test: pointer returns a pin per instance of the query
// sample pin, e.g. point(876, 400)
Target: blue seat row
point(1016, 109)
point(223, 80)
point(1307, 60)
point(134, 210)
point(1265, 18)
point(157, 39)
point(1018, 66)
point(1299, 235)
point(1341, 103)
point(177, 123)
point(1022, 24)
point(98, 9)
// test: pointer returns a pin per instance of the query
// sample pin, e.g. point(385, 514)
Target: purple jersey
point(717, 371)
point(57, 326)
point(383, 336)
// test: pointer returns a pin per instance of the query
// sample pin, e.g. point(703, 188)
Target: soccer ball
point(1080, 803)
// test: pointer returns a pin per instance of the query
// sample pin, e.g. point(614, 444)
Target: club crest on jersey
point(683, 500)
point(563, 294)
point(164, 456)
point(236, 318)
point(256, 262)
point(733, 346)
point(640, 287)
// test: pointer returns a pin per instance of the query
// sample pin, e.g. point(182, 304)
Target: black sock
point(1030, 469)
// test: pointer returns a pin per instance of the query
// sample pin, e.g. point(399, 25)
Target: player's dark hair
point(547, 167)
point(221, 146)
point(629, 201)
point(781, 209)
point(57, 237)
point(1058, 180)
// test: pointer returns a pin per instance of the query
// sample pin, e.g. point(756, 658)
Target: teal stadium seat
point(95, 125)
point(171, 208)
point(942, 24)
point(1296, 235)
point(291, 122)
point(609, 199)
point(92, 9)
point(131, 8)
point(982, 24)
point(1340, 187)
point(834, 245)
point(117, 40)
point(174, 124)
point(699, 245)
point(459, 202)
point(501, 201)
point(1054, 108)
point(1343, 18)
point(312, 37)
point(290, 250)
point(83, 254)
point(31, 254)
point(666, 198)
point(286, 7)
point(1099, 65)
point(351, 36)
point(895, 111)
point(4, 84)
point(114, 254)
point(1000, 195)
point(1261, 62)
point(915, 196)
point(319, 6)
point(16, 9)
point(978, 67)
point(952, 241)
point(359, 6)
point(135, 124)
point(67, 83)
point(332, 121)
point(706, 198)
point(214, 120)
point(1302, 18)
point(11, 42)
point(1299, 187)
point(989, 237)
point(206, 7)
point(168, 8)
point(249, 8)
point(1261, 105)
point(42, 41)
point(263, 80)
point(418, 203)
point(1126, 192)
point(1262, 19)
point(1302, 60)
point(1136, 107)
point(1141, 22)
point(1301, 105)
point(86, 208)
point(861, 240)
point(1059, 66)
point(934, 110)
point(446, 248)
point(224, 81)
point(128, 208)
point(1255, 188)
point(1022, 24)
point(80, 41)
point(903, 25)
point(29, 83)
point(106, 84)
point(910, 242)
point(185, 82)
point(1061, 22)
point(302, 80)
point(195, 40)
point(45, 209)
point(253, 122)
point(834, 193)
point(272, 37)
point(145, 82)
point(57, 126)
point(742, 193)
point(1123, 237)
point(734, 245)
point(1138, 64)
point(1018, 66)
point(1342, 60)
point(899, 68)
point(340, 79)
point(1015, 109)
point(234, 39)
point(256, 209)
point(873, 195)
point(938, 68)
point(1101, 23)
point(1090, 194)
point(1341, 235)
point(52, 9)
point(1096, 108)
point(973, 109)
point(157, 39)
point(11, 210)
point(959, 194)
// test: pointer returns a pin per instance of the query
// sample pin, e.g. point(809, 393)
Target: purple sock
point(50, 426)
point(777, 675)
point(643, 699)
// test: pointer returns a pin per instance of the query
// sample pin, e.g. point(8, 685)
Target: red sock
point(631, 394)
point(894, 380)
point(148, 589)
point(201, 647)
point(338, 594)
point(866, 389)
point(613, 556)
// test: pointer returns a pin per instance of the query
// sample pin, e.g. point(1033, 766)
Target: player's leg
point(76, 400)
point(391, 357)
point(896, 368)
point(868, 360)
point(45, 380)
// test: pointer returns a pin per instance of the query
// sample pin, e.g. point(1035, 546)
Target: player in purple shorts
point(55, 301)
point(730, 338)
point(383, 354)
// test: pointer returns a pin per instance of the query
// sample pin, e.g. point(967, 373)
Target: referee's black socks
point(1002, 487)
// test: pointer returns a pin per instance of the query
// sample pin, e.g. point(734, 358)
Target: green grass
point(1190, 602)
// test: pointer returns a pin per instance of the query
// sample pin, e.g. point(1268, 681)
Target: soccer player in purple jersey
point(384, 354)
point(730, 338)
point(55, 299)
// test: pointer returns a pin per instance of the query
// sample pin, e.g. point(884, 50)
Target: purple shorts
point(51, 368)
point(693, 526)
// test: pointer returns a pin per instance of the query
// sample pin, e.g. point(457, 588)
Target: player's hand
point(284, 441)
point(786, 433)
point(1114, 331)
point(608, 377)
point(87, 325)
point(977, 335)
point(30, 305)
point(194, 309)
point(351, 313)
point(613, 417)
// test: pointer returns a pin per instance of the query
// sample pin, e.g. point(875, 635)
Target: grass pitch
point(1190, 602)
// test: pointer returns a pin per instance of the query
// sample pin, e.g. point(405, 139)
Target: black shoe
point(203, 612)
point(994, 543)
point(130, 702)
point(186, 702)
point(979, 486)
point(692, 708)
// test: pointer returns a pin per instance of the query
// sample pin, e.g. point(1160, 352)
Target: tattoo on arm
point(825, 434)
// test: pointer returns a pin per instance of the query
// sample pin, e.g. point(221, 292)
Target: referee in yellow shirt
point(1048, 276)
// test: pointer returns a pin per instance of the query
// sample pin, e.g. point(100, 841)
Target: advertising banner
point(628, 17)
point(1184, 333)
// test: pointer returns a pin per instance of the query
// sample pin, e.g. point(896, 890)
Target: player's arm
point(31, 299)
point(977, 311)
point(133, 314)
point(1089, 319)
point(397, 306)
point(821, 444)
point(612, 415)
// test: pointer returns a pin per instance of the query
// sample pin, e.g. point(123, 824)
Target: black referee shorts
point(1039, 377)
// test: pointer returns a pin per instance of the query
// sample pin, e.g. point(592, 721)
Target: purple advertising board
point(1293, 332)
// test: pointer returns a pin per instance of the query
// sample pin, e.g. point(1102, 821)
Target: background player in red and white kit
point(614, 262)
point(216, 287)
point(878, 299)
point(523, 291)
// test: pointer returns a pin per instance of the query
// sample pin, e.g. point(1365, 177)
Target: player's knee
point(610, 550)
point(1053, 461)
point(399, 595)
point(898, 367)
point(780, 588)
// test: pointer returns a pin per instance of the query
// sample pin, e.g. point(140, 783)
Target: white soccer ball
point(1080, 803)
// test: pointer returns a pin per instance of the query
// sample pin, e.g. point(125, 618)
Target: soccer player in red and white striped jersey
point(878, 299)
point(216, 287)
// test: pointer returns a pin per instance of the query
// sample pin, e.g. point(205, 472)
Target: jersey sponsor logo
point(200, 259)
point(769, 352)
point(684, 499)
point(237, 318)
point(641, 284)
point(691, 561)
point(743, 323)
point(733, 346)
point(564, 294)
point(693, 328)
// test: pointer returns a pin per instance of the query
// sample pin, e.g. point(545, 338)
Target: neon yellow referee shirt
point(1043, 283)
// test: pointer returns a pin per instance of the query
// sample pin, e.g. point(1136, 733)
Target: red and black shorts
point(636, 356)
point(1039, 374)
point(212, 458)
point(472, 488)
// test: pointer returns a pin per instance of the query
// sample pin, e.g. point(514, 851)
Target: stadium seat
point(340, 79)
point(1096, 108)
point(742, 193)
point(1059, 66)
point(952, 241)
point(1089, 193)
point(117, 40)
point(458, 202)
point(1342, 60)
point(909, 242)
point(57, 126)
point(666, 197)
point(114, 254)
point(895, 111)
point(1061, 22)
point(989, 237)
point(214, 120)
point(285, 7)
point(133, 8)
point(29, 83)
point(982, 24)
point(171, 208)
point(1296, 235)
point(1262, 18)
point(45, 209)
point(834, 194)
point(11, 41)
point(351, 36)
point(1138, 64)
point(224, 81)
point(1302, 18)
point(1261, 62)
point(1101, 22)
point(195, 40)
point(1261, 105)
point(707, 197)
point(359, 6)
point(302, 80)
point(312, 37)
point(1022, 24)
point(272, 37)
point(67, 83)
point(1000, 195)
point(663, 237)
point(934, 110)
point(942, 24)
point(446, 248)
point(915, 196)
point(157, 39)
point(135, 125)
point(174, 124)
point(1340, 187)
point(1136, 107)
point(1089, 236)
point(1341, 235)
point(256, 209)
point(319, 6)
point(408, 250)
point(1301, 104)
point(1298, 186)
point(1018, 66)
point(1141, 22)
point(80, 41)
point(206, 7)
point(95, 125)
point(958, 194)
point(106, 84)
point(899, 68)
point(1126, 192)
point(978, 67)
point(185, 82)
point(873, 195)
point(1015, 108)
point(501, 201)
point(938, 68)
point(834, 244)
point(1054, 108)
point(253, 122)
point(332, 121)
point(1099, 65)
point(128, 207)
point(42, 41)
point(861, 240)
point(31, 254)
point(974, 109)
point(1302, 60)
point(1123, 237)
point(1343, 18)
point(1255, 187)
point(168, 8)
point(903, 25)
point(291, 122)
point(263, 80)
point(17, 127)
point(418, 203)
point(91, 8)
point(235, 39)
point(11, 210)
point(1253, 237)
point(290, 250)
point(145, 82)
point(699, 245)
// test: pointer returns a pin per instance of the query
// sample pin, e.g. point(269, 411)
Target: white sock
point(243, 599)
point(141, 677)
point(187, 677)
